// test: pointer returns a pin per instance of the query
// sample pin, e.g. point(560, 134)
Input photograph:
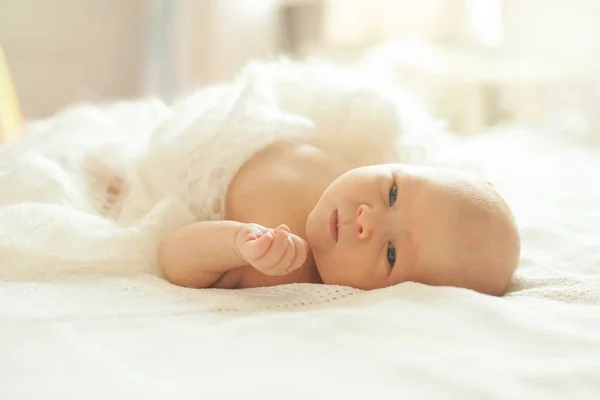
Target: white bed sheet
point(111, 337)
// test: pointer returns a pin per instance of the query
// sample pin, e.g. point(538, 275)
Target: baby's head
point(381, 225)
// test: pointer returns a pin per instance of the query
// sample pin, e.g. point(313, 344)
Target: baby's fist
point(271, 251)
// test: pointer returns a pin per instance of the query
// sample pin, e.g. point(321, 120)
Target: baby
point(284, 176)
point(300, 212)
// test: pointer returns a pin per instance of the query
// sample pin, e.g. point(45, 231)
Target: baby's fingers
point(259, 247)
point(282, 267)
point(274, 253)
point(301, 252)
point(283, 227)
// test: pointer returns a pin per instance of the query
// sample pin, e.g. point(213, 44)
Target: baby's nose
point(364, 222)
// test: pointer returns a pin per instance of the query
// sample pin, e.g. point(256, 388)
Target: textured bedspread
point(136, 336)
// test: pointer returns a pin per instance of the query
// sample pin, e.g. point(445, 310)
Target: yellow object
point(11, 120)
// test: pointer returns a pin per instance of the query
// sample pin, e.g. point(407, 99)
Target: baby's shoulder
point(277, 185)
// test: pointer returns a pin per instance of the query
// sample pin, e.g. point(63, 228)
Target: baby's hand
point(271, 251)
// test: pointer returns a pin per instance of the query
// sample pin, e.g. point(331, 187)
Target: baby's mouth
point(334, 225)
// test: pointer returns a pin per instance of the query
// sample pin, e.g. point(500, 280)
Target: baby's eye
point(393, 194)
point(391, 254)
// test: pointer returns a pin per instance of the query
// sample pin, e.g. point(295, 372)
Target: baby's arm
point(197, 255)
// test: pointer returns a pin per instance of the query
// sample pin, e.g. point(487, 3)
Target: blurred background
point(474, 63)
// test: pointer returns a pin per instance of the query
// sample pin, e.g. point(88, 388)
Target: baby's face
point(381, 225)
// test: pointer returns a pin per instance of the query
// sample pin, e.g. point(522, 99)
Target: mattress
point(107, 336)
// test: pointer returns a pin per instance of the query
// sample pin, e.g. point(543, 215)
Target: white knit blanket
point(121, 332)
point(176, 161)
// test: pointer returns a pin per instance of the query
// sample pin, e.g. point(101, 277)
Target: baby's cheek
point(348, 270)
point(347, 259)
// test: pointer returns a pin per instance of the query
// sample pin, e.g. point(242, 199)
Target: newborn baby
point(299, 212)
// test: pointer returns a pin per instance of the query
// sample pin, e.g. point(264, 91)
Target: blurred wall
point(214, 39)
point(70, 51)
point(564, 31)
point(66, 51)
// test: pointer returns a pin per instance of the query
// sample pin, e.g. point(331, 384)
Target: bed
point(123, 336)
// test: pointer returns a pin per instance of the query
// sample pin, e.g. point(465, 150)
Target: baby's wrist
point(236, 239)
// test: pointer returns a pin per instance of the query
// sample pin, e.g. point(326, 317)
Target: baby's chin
point(315, 227)
point(320, 261)
point(310, 229)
